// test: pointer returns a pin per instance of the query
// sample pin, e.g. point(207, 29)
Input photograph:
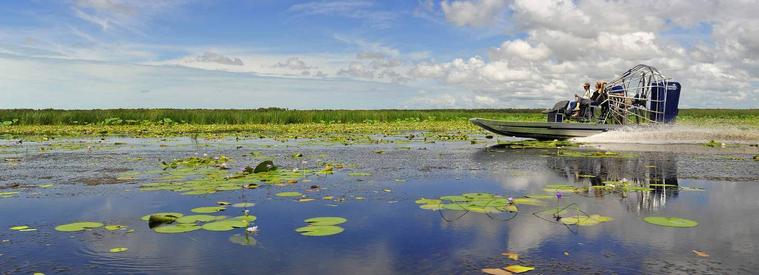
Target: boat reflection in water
point(643, 184)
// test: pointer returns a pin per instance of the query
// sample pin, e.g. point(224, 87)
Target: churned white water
point(675, 134)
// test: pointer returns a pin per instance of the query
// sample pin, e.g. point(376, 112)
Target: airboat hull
point(542, 130)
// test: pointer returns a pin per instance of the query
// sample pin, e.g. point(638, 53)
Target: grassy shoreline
point(294, 123)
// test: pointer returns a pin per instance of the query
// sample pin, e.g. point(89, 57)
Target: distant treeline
point(250, 116)
point(285, 116)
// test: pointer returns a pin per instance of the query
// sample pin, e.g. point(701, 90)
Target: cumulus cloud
point(473, 13)
point(563, 43)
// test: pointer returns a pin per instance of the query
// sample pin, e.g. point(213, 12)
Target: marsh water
point(375, 186)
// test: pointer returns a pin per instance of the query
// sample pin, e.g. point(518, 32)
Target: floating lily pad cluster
point(195, 162)
point(476, 202)
point(322, 226)
point(173, 222)
point(201, 177)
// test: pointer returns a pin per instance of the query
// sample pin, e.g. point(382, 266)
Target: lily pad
point(176, 228)
point(518, 268)
point(325, 221)
point(528, 201)
point(77, 226)
point(208, 209)
point(671, 221)
point(199, 218)
point(118, 250)
point(19, 228)
point(243, 204)
point(454, 198)
point(431, 206)
point(172, 214)
point(319, 230)
point(114, 227)
point(289, 194)
point(583, 220)
point(428, 201)
point(225, 225)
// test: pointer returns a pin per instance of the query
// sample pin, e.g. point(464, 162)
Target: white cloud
point(564, 43)
point(473, 13)
point(520, 49)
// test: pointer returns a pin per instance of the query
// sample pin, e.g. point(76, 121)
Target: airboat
point(640, 96)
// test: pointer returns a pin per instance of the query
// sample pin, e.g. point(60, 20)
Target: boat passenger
point(573, 102)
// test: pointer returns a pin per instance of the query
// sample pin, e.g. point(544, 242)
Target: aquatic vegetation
point(199, 218)
point(208, 209)
point(518, 268)
point(475, 202)
point(562, 188)
point(6, 195)
point(322, 226)
point(118, 249)
point(326, 221)
point(319, 230)
point(713, 143)
point(226, 225)
point(671, 221)
point(173, 215)
point(288, 194)
point(583, 220)
point(22, 228)
point(243, 204)
point(77, 226)
point(114, 227)
point(195, 162)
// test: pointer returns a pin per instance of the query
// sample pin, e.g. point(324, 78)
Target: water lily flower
point(252, 229)
point(558, 195)
point(247, 212)
point(511, 200)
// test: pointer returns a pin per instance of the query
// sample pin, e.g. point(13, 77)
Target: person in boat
point(599, 96)
point(582, 111)
point(573, 109)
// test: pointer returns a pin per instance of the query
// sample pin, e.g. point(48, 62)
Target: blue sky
point(365, 54)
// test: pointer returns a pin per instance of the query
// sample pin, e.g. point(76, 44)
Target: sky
point(82, 54)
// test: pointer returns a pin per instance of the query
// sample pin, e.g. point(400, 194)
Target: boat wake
point(675, 134)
